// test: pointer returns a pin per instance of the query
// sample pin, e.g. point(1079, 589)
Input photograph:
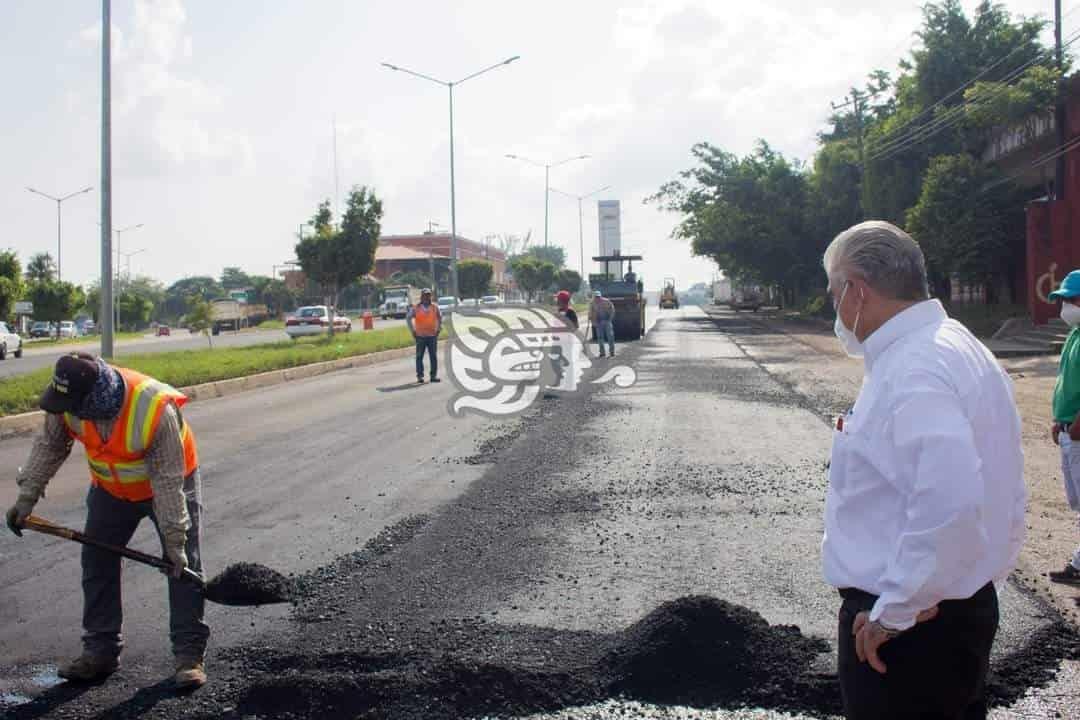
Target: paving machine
point(668, 299)
point(626, 291)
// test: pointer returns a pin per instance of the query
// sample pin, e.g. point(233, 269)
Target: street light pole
point(581, 232)
point(547, 186)
point(59, 200)
point(115, 298)
point(453, 191)
point(105, 311)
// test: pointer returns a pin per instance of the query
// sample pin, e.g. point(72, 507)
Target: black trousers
point(431, 345)
point(936, 670)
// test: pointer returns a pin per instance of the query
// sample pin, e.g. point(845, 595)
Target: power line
point(966, 84)
point(955, 114)
point(1052, 154)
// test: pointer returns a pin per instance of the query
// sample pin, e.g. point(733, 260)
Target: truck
point(721, 291)
point(747, 297)
point(397, 299)
point(230, 314)
point(669, 300)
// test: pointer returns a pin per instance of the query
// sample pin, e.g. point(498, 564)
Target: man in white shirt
point(925, 507)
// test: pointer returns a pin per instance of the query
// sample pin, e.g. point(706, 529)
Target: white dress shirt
point(926, 483)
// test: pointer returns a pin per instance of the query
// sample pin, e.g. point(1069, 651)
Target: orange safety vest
point(426, 321)
point(118, 466)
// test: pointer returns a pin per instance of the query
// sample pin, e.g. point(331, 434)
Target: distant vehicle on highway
point(397, 301)
point(470, 302)
point(41, 329)
point(68, 329)
point(314, 320)
point(747, 298)
point(448, 304)
point(489, 300)
point(9, 342)
point(163, 330)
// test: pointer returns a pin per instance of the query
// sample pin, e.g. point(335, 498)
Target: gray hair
point(885, 256)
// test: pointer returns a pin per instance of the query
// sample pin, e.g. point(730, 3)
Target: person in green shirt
point(1066, 405)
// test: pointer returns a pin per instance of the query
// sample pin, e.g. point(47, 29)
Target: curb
point(25, 423)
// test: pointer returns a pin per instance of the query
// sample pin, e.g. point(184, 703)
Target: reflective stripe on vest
point(425, 322)
point(118, 465)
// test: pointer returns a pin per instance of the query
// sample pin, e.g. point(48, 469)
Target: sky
point(223, 115)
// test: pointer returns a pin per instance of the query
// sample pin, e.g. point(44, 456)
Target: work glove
point(17, 514)
point(178, 558)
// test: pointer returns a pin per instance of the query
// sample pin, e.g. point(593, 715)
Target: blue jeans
point(431, 345)
point(605, 330)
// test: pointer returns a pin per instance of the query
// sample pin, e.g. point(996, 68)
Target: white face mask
point(1070, 314)
point(848, 339)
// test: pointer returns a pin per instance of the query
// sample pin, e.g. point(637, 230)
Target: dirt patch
point(249, 584)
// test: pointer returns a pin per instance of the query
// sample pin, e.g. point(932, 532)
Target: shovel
point(240, 584)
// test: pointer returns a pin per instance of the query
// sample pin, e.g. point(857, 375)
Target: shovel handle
point(44, 526)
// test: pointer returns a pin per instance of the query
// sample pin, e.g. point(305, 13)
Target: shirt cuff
point(893, 616)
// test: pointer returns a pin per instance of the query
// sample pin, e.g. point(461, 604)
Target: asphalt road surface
point(552, 566)
point(35, 358)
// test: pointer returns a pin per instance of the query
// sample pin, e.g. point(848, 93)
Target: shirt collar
point(903, 323)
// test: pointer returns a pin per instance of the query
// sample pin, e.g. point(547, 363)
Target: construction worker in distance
point(143, 463)
point(602, 317)
point(566, 312)
point(425, 323)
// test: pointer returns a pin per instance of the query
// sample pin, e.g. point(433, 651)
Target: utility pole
point(857, 100)
point(1059, 110)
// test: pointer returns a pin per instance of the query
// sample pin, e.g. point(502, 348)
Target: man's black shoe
point(1068, 576)
point(420, 380)
point(435, 379)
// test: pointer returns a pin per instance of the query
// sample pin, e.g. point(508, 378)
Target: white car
point(312, 320)
point(470, 303)
point(489, 300)
point(9, 342)
point(447, 304)
point(68, 329)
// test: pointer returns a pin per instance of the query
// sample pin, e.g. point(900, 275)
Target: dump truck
point(625, 291)
point(669, 300)
point(397, 299)
point(230, 314)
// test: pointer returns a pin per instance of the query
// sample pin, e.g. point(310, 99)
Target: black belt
point(855, 594)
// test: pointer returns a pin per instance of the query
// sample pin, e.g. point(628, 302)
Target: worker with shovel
point(143, 463)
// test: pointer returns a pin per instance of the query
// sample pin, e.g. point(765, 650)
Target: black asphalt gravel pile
point(1033, 665)
point(702, 651)
point(249, 584)
point(697, 651)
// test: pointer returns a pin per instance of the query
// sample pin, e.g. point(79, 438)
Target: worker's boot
point(190, 673)
point(87, 668)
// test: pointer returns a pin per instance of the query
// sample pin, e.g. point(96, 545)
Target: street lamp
point(547, 173)
point(116, 297)
point(581, 232)
point(127, 260)
point(453, 198)
point(59, 200)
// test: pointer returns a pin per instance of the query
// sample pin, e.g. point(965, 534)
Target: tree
point(233, 278)
point(11, 285)
point(965, 221)
point(200, 317)
point(414, 278)
point(41, 268)
point(546, 272)
point(550, 253)
point(569, 280)
point(474, 277)
point(55, 301)
point(177, 295)
point(133, 310)
point(526, 272)
point(336, 257)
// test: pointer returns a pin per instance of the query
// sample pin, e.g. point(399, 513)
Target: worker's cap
point(425, 291)
point(597, 293)
point(1070, 287)
point(73, 379)
point(563, 296)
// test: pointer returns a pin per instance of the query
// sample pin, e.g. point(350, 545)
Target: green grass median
point(193, 367)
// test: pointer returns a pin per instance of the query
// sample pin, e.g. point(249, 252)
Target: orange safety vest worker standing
point(143, 462)
point(425, 324)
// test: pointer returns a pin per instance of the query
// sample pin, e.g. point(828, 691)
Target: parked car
point(68, 329)
point(9, 342)
point(41, 329)
point(447, 304)
point(470, 303)
point(163, 330)
point(489, 300)
point(313, 320)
